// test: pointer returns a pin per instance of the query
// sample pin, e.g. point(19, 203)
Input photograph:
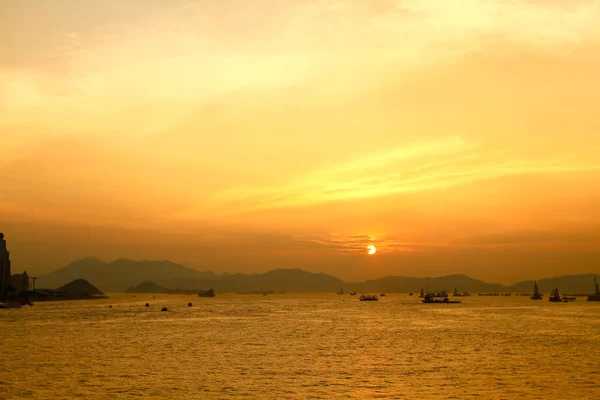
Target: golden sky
point(458, 136)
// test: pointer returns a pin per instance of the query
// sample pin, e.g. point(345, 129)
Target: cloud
point(354, 244)
point(158, 63)
point(405, 169)
point(585, 237)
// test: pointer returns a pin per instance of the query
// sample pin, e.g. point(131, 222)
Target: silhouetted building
point(5, 277)
point(20, 282)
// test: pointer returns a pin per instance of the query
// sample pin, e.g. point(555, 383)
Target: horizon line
point(311, 272)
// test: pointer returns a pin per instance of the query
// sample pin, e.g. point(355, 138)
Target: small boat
point(206, 293)
point(456, 293)
point(555, 297)
point(430, 299)
point(382, 295)
point(352, 293)
point(410, 294)
point(596, 295)
point(566, 299)
point(536, 293)
point(368, 297)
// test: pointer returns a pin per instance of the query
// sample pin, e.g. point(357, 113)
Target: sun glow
point(371, 249)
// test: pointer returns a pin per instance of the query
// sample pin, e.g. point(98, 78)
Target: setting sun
point(371, 249)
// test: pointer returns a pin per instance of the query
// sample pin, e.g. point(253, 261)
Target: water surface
point(317, 346)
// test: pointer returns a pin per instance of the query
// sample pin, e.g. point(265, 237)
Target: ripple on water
point(300, 346)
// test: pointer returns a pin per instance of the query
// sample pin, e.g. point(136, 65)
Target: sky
point(457, 136)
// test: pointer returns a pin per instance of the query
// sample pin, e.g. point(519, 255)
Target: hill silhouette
point(442, 283)
point(122, 273)
point(158, 276)
point(583, 283)
point(81, 286)
point(147, 287)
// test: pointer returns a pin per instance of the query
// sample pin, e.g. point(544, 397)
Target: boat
point(352, 293)
point(424, 294)
point(596, 295)
point(536, 293)
point(382, 295)
point(456, 293)
point(368, 297)
point(431, 299)
point(206, 293)
point(341, 291)
point(555, 297)
point(566, 299)
point(410, 294)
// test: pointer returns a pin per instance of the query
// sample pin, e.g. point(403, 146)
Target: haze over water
point(301, 346)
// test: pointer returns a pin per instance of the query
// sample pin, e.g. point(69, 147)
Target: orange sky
point(458, 136)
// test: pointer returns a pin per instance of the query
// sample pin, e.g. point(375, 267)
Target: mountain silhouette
point(147, 287)
point(81, 286)
point(122, 273)
point(443, 283)
point(165, 276)
point(583, 283)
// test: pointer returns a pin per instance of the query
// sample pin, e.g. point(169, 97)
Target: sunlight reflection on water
point(300, 346)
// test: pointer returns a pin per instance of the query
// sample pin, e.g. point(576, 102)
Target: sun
point(371, 249)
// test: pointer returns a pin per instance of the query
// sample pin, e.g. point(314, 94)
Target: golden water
point(300, 346)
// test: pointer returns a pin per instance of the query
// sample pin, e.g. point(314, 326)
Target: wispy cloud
point(569, 237)
point(176, 56)
point(354, 244)
point(403, 170)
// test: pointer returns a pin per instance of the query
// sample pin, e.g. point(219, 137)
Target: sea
point(300, 346)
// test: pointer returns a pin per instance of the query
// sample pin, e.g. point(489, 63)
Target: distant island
point(151, 287)
point(167, 277)
point(79, 289)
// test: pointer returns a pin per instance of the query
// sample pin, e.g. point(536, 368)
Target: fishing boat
point(596, 295)
point(206, 293)
point(341, 291)
point(555, 297)
point(536, 293)
point(431, 299)
point(368, 297)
